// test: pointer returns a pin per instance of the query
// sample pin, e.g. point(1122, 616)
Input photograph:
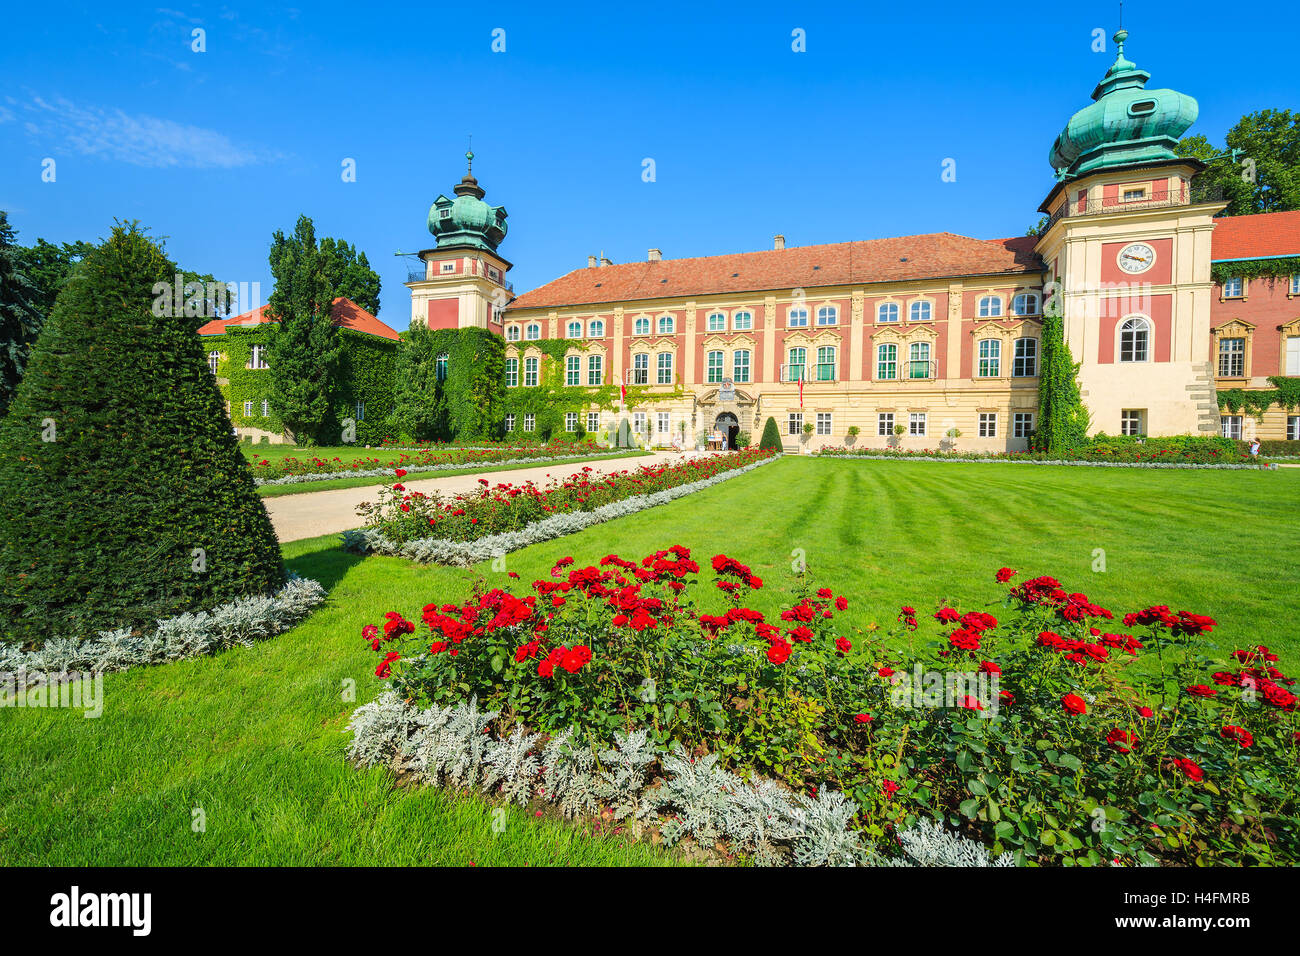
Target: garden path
point(323, 512)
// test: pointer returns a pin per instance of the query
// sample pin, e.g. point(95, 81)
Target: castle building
point(919, 341)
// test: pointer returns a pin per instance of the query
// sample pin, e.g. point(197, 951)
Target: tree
point(771, 436)
point(419, 410)
point(1062, 419)
point(349, 274)
point(49, 267)
point(1265, 174)
point(305, 353)
point(20, 318)
point(127, 498)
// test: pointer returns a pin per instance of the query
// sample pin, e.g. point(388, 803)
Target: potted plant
point(852, 434)
point(899, 431)
point(952, 435)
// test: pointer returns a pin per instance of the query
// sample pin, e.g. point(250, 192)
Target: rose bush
point(1027, 729)
point(402, 515)
point(267, 469)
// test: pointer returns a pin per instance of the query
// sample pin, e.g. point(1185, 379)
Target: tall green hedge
point(126, 497)
point(1062, 419)
point(771, 436)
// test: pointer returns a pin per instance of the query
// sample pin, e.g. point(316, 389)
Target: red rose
point(778, 652)
point(843, 645)
point(1120, 740)
point(400, 473)
point(1145, 712)
point(886, 672)
point(1191, 769)
point(1074, 704)
point(862, 718)
point(988, 667)
point(1004, 575)
point(841, 603)
point(1200, 690)
point(1239, 734)
point(386, 665)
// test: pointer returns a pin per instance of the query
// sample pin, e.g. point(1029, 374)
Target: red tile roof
point(1256, 237)
point(936, 255)
point(346, 313)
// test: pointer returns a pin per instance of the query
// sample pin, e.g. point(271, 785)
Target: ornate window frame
point(1236, 329)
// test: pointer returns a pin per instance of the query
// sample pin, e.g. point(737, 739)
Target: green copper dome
point(1128, 124)
point(467, 220)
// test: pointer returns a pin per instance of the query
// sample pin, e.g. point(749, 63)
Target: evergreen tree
point(305, 353)
point(771, 435)
point(1062, 419)
point(126, 496)
point(349, 274)
point(20, 317)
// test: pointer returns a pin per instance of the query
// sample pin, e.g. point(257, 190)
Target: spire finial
point(469, 157)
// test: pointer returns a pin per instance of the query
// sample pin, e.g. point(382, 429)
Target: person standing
point(1254, 452)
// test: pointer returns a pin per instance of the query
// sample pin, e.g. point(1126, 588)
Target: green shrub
point(127, 498)
point(771, 436)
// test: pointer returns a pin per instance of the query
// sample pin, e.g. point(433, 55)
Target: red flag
point(801, 388)
point(622, 391)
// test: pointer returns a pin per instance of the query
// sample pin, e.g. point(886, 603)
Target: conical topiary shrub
point(771, 436)
point(126, 497)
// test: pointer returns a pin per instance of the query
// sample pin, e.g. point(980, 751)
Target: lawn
point(255, 736)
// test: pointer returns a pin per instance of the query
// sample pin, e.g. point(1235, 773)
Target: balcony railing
point(815, 372)
point(1188, 194)
point(421, 275)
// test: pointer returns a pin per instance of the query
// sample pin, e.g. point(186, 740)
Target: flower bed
point(416, 469)
point(435, 455)
point(504, 517)
point(244, 622)
point(1030, 734)
point(1014, 458)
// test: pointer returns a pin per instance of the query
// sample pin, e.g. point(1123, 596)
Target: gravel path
point(315, 513)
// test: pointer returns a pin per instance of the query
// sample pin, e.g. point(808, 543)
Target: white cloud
point(138, 139)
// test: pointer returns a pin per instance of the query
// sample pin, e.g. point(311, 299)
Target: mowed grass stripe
point(255, 737)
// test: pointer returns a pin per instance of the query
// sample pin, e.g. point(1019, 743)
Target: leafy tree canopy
point(1265, 176)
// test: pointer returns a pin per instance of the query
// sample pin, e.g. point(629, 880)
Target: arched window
point(575, 330)
point(717, 322)
point(742, 321)
point(641, 326)
point(533, 332)
point(440, 366)
point(1026, 303)
point(714, 366)
point(920, 312)
point(990, 306)
point(666, 325)
point(887, 312)
point(796, 318)
point(918, 360)
point(1135, 340)
point(512, 333)
point(826, 363)
point(596, 329)
point(990, 358)
point(828, 315)
point(794, 368)
point(887, 361)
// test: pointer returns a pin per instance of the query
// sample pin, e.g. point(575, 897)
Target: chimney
point(605, 261)
point(591, 262)
point(655, 255)
point(778, 242)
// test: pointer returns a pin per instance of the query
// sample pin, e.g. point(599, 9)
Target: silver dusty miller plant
point(568, 775)
point(510, 765)
point(699, 791)
point(761, 817)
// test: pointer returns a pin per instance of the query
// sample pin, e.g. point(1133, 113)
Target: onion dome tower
point(1126, 124)
point(467, 221)
point(462, 281)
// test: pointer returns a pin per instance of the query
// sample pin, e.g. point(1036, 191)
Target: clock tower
point(1128, 256)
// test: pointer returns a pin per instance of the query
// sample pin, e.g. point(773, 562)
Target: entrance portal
point(729, 425)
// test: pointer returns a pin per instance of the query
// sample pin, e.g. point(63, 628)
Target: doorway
point(729, 425)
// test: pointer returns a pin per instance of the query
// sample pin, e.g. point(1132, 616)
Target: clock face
point(1136, 257)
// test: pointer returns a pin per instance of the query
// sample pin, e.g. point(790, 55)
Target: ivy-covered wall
point(1285, 393)
point(448, 384)
point(366, 374)
point(550, 399)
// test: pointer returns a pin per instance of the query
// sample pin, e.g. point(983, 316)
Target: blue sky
point(216, 150)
